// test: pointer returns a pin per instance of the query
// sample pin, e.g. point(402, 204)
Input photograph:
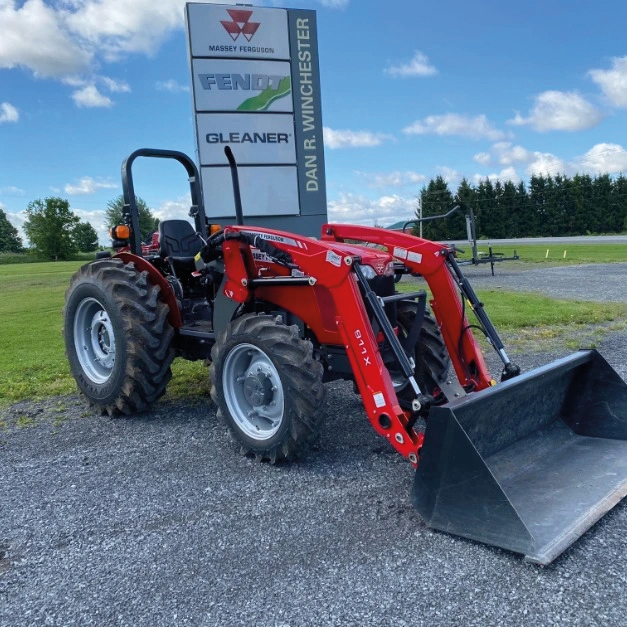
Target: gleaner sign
point(256, 88)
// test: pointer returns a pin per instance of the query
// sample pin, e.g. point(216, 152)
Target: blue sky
point(410, 90)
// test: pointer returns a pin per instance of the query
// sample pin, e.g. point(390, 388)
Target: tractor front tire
point(267, 387)
point(117, 337)
point(430, 355)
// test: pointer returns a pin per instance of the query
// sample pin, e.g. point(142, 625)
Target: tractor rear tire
point(117, 336)
point(267, 387)
point(430, 354)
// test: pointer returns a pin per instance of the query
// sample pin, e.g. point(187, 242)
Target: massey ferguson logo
point(240, 24)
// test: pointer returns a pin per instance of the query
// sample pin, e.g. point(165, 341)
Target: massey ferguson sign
point(256, 88)
point(219, 30)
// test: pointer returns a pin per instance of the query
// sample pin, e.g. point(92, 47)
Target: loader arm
point(434, 262)
point(325, 265)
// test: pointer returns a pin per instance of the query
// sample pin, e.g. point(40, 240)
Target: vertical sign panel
point(256, 88)
point(307, 112)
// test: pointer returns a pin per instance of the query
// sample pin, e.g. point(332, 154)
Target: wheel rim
point(253, 391)
point(94, 340)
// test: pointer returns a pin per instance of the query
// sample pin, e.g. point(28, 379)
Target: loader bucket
point(530, 464)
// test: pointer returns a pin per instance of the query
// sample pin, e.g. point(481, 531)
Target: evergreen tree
point(619, 201)
point(148, 224)
point(602, 198)
point(508, 208)
point(486, 203)
point(436, 199)
point(85, 237)
point(583, 204)
point(467, 198)
point(49, 228)
point(10, 241)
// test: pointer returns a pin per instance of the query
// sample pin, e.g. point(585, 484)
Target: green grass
point(32, 353)
point(575, 253)
point(31, 257)
point(520, 310)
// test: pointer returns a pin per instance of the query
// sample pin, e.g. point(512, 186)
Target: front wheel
point(431, 358)
point(268, 387)
point(117, 337)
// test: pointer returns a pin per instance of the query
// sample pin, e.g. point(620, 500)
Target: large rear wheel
point(117, 336)
point(267, 386)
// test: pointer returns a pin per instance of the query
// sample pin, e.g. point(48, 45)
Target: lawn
point(32, 358)
point(556, 253)
point(32, 352)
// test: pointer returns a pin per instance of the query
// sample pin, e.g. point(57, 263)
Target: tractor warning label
point(334, 259)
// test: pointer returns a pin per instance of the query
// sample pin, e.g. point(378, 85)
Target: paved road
point(156, 520)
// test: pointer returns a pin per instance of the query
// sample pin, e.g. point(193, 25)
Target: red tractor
point(527, 464)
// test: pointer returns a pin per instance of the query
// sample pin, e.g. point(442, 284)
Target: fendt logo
point(240, 24)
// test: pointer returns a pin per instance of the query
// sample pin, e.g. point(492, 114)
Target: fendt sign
point(256, 88)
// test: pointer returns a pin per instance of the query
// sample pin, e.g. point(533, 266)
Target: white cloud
point(451, 176)
point(605, 159)
point(88, 185)
point(418, 66)
point(357, 209)
point(90, 97)
point(71, 37)
point(332, 4)
point(507, 174)
point(11, 190)
point(178, 208)
point(34, 35)
point(455, 124)
point(560, 111)
point(613, 82)
point(8, 113)
point(507, 154)
point(170, 85)
point(545, 163)
point(352, 139)
point(379, 180)
point(115, 27)
point(483, 158)
point(114, 86)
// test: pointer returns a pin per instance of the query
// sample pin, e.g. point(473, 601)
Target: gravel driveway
point(156, 520)
point(594, 282)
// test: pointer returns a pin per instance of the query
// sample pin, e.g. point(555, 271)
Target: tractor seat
point(179, 243)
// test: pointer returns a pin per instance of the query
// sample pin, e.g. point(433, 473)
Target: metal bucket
point(530, 464)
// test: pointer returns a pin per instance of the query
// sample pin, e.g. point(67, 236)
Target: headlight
point(368, 272)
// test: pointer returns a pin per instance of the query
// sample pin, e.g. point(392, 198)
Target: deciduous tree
point(85, 237)
point(10, 241)
point(49, 228)
point(147, 222)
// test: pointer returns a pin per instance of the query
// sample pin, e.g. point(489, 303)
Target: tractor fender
point(167, 293)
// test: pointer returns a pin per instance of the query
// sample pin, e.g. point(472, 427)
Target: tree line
point(546, 206)
point(55, 232)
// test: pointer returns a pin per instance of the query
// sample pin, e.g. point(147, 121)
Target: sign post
point(256, 88)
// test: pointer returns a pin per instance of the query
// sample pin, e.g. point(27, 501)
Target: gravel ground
point(155, 520)
point(593, 282)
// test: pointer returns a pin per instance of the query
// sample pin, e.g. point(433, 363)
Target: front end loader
point(527, 463)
